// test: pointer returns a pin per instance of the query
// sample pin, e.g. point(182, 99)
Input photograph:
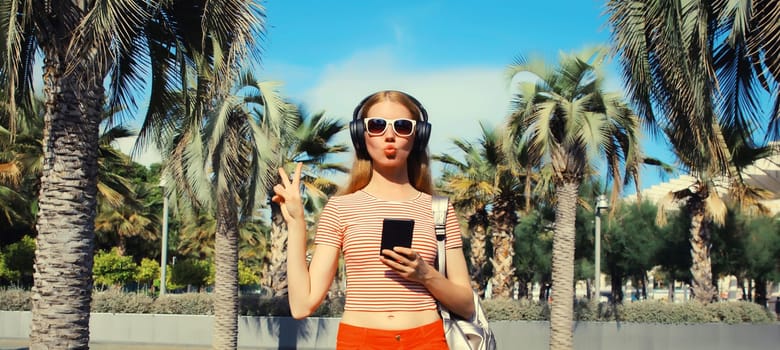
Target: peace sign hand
point(288, 195)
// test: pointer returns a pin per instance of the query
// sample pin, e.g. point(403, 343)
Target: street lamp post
point(164, 249)
point(601, 205)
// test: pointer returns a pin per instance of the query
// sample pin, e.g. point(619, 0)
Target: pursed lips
point(390, 151)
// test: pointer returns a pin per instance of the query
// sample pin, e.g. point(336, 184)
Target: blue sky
point(451, 55)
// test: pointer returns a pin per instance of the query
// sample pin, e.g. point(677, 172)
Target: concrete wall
point(320, 333)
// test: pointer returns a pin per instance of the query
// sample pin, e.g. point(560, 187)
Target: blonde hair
point(418, 164)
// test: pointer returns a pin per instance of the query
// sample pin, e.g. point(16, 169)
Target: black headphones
point(357, 129)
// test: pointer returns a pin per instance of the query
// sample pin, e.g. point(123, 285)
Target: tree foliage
point(16, 262)
point(112, 269)
point(630, 243)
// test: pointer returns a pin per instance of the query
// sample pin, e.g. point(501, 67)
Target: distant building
point(765, 173)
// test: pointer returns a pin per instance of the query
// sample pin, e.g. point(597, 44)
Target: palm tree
point(705, 206)
point(118, 207)
point(310, 142)
point(503, 218)
point(565, 116)
point(118, 223)
point(694, 70)
point(122, 209)
point(471, 186)
point(196, 238)
point(197, 235)
point(83, 43)
point(76, 44)
point(253, 244)
point(219, 160)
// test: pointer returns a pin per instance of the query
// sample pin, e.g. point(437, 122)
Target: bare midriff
point(389, 320)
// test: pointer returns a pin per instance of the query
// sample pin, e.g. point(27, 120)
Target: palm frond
point(666, 202)
point(716, 209)
point(10, 173)
point(108, 30)
point(18, 44)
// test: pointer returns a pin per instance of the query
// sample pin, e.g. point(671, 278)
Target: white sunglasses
point(378, 126)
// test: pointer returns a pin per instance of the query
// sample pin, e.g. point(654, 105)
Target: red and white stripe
point(353, 223)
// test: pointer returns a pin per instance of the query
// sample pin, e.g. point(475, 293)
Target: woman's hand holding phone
point(407, 263)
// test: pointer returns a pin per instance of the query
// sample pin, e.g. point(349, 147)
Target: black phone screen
point(396, 233)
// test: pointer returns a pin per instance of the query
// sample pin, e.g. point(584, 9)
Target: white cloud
point(147, 157)
point(456, 98)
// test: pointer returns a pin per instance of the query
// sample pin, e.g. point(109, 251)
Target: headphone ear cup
point(357, 132)
point(422, 134)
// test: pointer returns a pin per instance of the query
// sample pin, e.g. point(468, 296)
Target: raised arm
point(307, 285)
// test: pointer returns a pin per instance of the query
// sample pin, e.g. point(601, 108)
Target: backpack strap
point(439, 204)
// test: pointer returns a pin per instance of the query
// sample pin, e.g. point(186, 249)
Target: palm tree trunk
point(121, 246)
point(62, 290)
point(638, 189)
point(504, 219)
point(278, 269)
point(527, 188)
point(701, 268)
point(226, 277)
point(761, 297)
point(478, 256)
point(616, 287)
point(562, 308)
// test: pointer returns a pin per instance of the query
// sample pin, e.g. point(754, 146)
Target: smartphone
point(396, 233)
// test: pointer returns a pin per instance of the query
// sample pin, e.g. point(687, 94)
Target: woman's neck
point(394, 187)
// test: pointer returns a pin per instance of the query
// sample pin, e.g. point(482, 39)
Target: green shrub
point(255, 305)
point(509, 309)
point(659, 312)
point(586, 310)
point(5, 273)
point(637, 312)
point(16, 262)
point(148, 272)
point(112, 269)
point(115, 301)
point(191, 272)
point(246, 277)
point(686, 313)
point(170, 284)
point(740, 312)
point(15, 299)
point(185, 304)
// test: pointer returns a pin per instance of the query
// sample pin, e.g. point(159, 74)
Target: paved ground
point(22, 344)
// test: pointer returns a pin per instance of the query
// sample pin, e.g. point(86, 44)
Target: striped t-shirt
point(353, 223)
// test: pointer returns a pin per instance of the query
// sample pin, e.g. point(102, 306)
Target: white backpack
point(472, 334)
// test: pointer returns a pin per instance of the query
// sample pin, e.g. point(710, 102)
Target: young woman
point(391, 297)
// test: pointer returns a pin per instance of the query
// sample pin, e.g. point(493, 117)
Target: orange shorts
point(427, 337)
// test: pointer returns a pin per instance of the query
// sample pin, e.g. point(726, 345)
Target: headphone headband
point(356, 114)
